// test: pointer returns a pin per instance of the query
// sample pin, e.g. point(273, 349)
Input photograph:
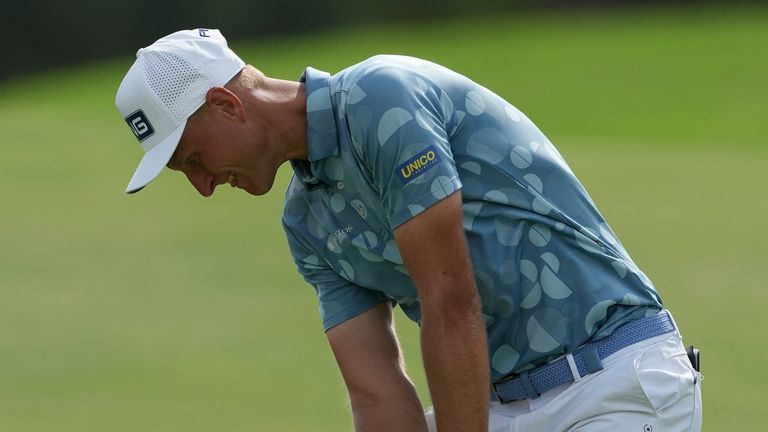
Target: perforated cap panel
point(179, 86)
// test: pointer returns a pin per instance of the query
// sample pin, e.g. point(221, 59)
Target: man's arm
point(382, 397)
point(453, 336)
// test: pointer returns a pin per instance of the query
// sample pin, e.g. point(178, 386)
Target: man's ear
point(222, 101)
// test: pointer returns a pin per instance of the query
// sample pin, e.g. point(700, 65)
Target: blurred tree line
point(46, 33)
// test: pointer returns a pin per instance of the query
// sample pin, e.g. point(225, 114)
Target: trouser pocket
point(671, 386)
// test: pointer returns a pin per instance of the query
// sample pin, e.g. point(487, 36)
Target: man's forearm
point(453, 336)
point(401, 412)
point(455, 353)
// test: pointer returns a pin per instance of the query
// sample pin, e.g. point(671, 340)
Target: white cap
point(168, 83)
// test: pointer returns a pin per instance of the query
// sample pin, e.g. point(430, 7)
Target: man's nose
point(202, 181)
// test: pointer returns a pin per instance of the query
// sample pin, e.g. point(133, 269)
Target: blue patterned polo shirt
point(393, 135)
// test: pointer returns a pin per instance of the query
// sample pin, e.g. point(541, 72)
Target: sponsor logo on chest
point(335, 239)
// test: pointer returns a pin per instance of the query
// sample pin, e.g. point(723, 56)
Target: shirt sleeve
point(338, 298)
point(398, 122)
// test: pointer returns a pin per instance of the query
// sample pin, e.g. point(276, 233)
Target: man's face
point(215, 150)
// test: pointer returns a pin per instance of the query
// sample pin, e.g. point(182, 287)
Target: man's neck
point(286, 106)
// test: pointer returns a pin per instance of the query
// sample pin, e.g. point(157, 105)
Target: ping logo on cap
point(140, 126)
point(418, 164)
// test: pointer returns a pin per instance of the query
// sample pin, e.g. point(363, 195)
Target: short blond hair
point(249, 77)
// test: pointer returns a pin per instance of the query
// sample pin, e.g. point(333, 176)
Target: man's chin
point(257, 191)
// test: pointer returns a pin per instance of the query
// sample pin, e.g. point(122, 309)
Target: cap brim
point(155, 160)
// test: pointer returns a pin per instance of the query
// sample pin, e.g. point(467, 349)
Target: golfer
point(415, 187)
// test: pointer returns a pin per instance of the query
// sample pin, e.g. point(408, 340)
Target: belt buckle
point(528, 387)
point(503, 380)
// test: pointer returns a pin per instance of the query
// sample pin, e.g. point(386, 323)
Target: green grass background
point(164, 311)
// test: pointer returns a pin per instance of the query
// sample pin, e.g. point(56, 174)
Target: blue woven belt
point(587, 358)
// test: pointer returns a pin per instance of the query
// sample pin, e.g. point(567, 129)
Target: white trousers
point(645, 387)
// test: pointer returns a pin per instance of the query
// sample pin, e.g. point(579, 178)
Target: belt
point(584, 360)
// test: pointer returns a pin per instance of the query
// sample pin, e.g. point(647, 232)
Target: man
point(414, 186)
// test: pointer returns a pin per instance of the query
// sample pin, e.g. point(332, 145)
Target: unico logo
point(140, 126)
point(418, 164)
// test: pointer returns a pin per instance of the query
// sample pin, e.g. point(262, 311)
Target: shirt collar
point(322, 136)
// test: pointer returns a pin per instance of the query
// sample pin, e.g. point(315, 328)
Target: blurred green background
point(164, 311)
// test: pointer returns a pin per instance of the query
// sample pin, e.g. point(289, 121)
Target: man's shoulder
point(385, 71)
point(379, 63)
